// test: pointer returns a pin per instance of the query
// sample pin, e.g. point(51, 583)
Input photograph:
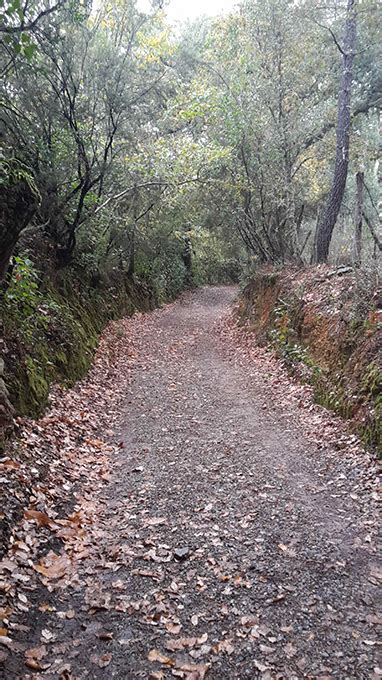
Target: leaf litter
point(251, 516)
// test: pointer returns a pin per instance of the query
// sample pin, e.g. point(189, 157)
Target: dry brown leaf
point(36, 653)
point(9, 465)
point(41, 518)
point(225, 646)
point(46, 607)
point(173, 628)
point(53, 566)
point(155, 655)
point(194, 671)
point(181, 643)
point(249, 621)
point(6, 641)
point(47, 634)
point(104, 660)
point(105, 635)
point(149, 574)
point(34, 664)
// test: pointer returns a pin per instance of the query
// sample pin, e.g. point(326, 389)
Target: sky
point(180, 10)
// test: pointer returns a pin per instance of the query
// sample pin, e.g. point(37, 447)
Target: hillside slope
point(327, 326)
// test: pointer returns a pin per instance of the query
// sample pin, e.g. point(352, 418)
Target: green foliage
point(372, 382)
point(163, 158)
point(51, 333)
point(283, 338)
point(20, 42)
point(13, 171)
point(23, 292)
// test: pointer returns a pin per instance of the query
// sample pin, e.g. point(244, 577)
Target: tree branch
point(22, 28)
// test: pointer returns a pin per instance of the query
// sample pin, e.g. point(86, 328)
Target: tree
point(19, 200)
point(329, 215)
point(358, 217)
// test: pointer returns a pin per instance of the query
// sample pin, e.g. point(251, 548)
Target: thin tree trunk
point(131, 266)
point(377, 241)
point(313, 257)
point(337, 189)
point(358, 219)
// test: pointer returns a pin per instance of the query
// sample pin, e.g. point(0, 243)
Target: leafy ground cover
point(188, 511)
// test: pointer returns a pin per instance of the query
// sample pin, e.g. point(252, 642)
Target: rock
point(181, 554)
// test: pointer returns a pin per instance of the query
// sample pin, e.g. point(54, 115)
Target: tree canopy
point(129, 144)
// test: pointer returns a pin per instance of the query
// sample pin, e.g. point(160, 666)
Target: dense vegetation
point(139, 159)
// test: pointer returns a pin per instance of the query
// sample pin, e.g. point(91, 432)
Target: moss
point(57, 342)
point(37, 383)
point(371, 383)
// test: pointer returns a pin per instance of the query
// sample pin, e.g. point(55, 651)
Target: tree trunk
point(18, 205)
point(358, 220)
point(337, 189)
point(131, 267)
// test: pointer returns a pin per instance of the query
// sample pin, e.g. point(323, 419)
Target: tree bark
point(18, 205)
point(337, 189)
point(358, 220)
point(377, 241)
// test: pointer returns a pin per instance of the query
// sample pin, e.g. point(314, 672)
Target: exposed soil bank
point(328, 329)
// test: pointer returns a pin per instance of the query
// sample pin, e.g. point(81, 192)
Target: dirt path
point(228, 545)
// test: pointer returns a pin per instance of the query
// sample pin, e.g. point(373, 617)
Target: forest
point(190, 339)
point(141, 157)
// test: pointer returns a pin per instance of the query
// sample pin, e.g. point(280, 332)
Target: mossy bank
point(327, 326)
point(50, 327)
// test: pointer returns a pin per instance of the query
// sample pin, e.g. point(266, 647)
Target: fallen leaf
point(155, 655)
point(105, 635)
point(197, 671)
point(173, 628)
point(53, 566)
point(225, 646)
point(180, 643)
point(155, 521)
point(41, 518)
point(34, 664)
point(9, 465)
point(47, 634)
point(260, 666)
point(104, 660)
point(36, 653)
point(7, 641)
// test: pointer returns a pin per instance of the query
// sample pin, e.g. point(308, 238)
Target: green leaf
point(29, 51)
